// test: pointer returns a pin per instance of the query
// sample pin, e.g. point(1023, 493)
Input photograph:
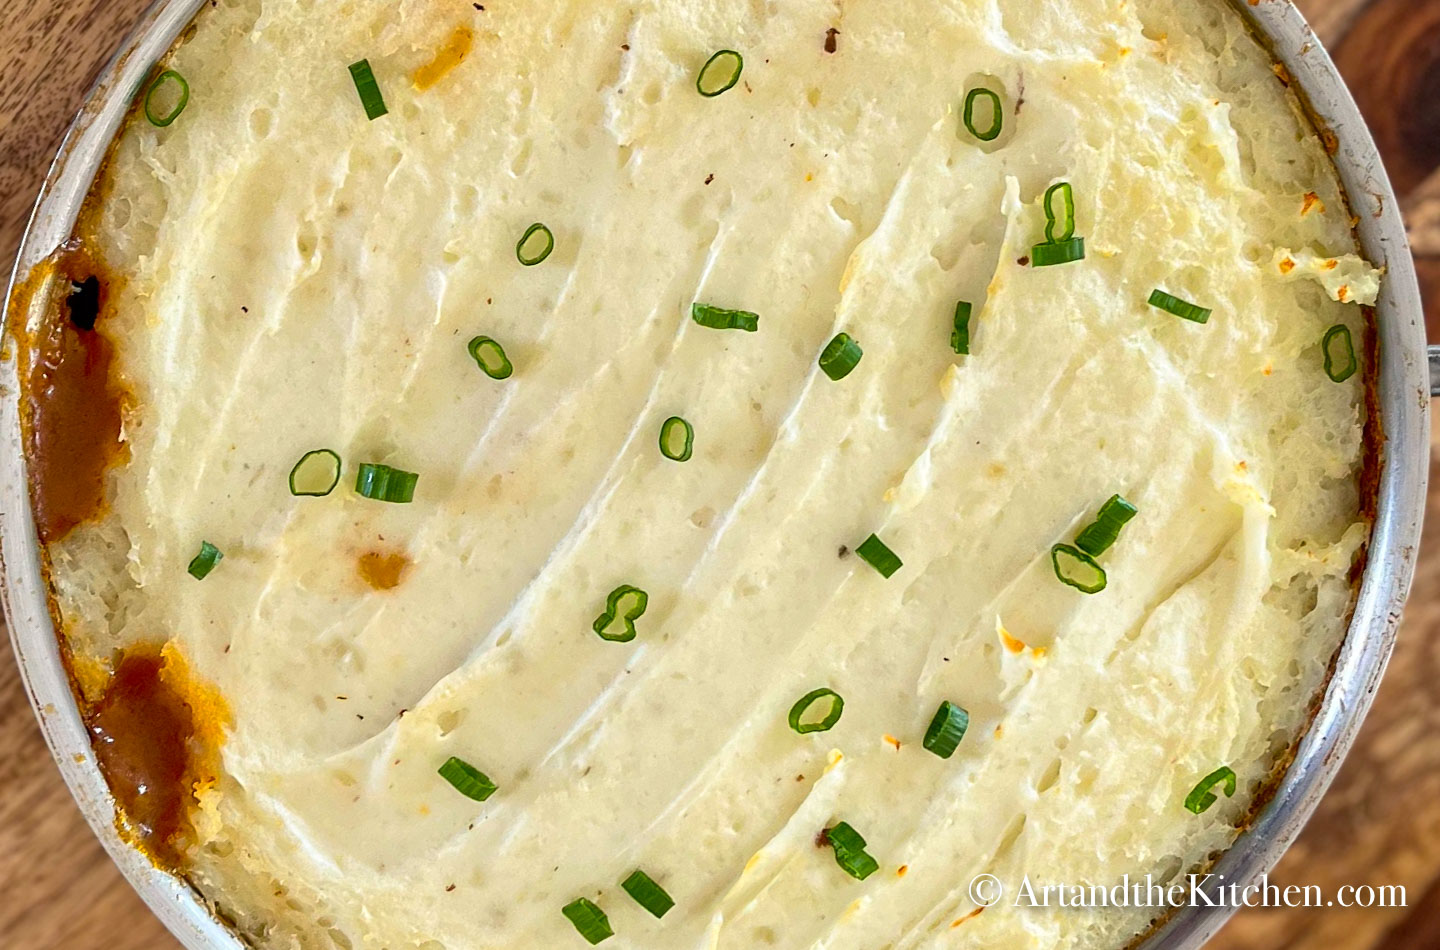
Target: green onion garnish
point(850, 851)
point(1066, 247)
point(997, 115)
point(1078, 569)
point(1202, 797)
point(718, 318)
point(801, 708)
point(1066, 217)
point(369, 89)
point(316, 474)
point(1340, 361)
point(1097, 537)
point(1066, 252)
point(960, 335)
point(1180, 308)
point(677, 439)
point(383, 483)
point(845, 838)
point(874, 552)
point(946, 729)
point(490, 357)
point(647, 893)
point(162, 119)
point(623, 607)
point(535, 244)
point(590, 920)
point(204, 562)
point(467, 779)
point(857, 864)
point(720, 73)
point(840, 356)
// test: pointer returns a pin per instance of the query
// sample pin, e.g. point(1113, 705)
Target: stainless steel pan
point(1403, 392)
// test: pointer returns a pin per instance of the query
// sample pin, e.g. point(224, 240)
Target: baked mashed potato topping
point(462, 708)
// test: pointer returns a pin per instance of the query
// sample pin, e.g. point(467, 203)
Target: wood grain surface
point(1380, 824)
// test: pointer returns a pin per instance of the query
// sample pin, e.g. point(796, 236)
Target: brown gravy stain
point(382, 571)
point(72, 408)
point(447, 57)
point(156, 738)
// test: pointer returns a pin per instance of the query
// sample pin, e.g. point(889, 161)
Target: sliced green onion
point(590, 920)
point(1066, 217)
point(845, 838)
point(647, 893)
point(718, 318)
point(316, 474)
point(490, 357)
point(857, 864)
point(623, 607)
point(1180, 308)
point(161, 119)
point(1203, 796)
point(1064, 252)
point(720, 73)
point(204, 562)
point(1066, 247)
point(802, 707)
point(677, 439)
point(1098, 536)
point(840, 356)
point(1078, 569)
point(383, 483)
point(997, 114)
point(368, 89)
point(535, 244)
point(467, 779)
point(1340, 361)
point(960, 335)
point(946, 729)
point(874, 552)
point(850, 851)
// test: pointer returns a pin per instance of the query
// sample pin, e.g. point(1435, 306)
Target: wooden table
point(1380, 824)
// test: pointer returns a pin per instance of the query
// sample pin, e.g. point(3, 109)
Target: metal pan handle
point(1435, 370)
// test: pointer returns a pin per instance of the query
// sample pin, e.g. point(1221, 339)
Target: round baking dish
point(1401, 393)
